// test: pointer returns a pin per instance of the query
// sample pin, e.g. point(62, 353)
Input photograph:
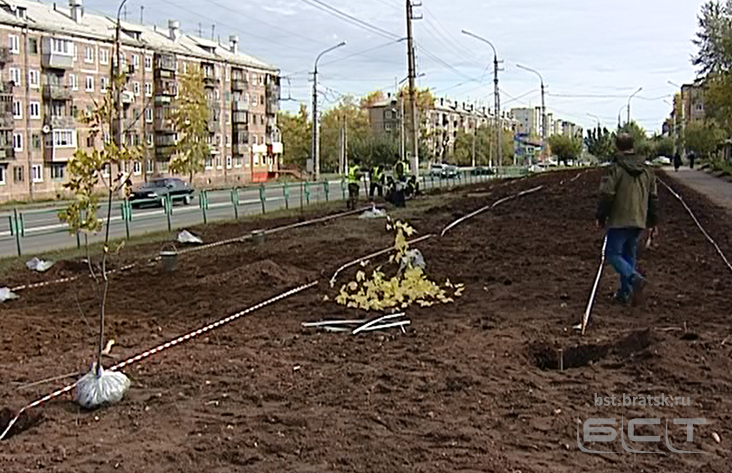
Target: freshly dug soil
point(474, 386)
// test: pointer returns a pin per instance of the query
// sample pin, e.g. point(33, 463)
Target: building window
point(89, 54)
point(33, 46)
point(18, 173)
point(218, 162)
point(163, 166)
point(89, 84)
point(17, 109)
point(36, 140)
point(2, 175)
point(185, 68)
point(103, 56)
point(34, 109)
point(217, 94)
point(57, 171)
point(136, 61)
point(148, 115)
point(209, 162)
point(137, 168)
point(62, 46)
point(33, 78)
point(149, 139)
point(136, 87)
point(72, 82)
point(106, 138)
point(228, 162)
point(64, 138)
point(237, 162)
point(37, 173)
point(15, 76)
point(261, 100)
point(14, 44)
point(148, 63)
point(228, 141)
point(148, 166)
point(148, 89)
point(103, 84)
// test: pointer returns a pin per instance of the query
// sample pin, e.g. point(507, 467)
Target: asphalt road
point(45, 232)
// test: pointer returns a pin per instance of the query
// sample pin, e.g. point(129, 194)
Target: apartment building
point(439, 125)
point(529, 123)
point(692, 103)
point(57, 64)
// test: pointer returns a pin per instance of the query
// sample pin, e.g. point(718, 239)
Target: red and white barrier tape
point(158, 349)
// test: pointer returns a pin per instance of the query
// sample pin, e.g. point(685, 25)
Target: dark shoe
point(639, 284)
point(621, 299)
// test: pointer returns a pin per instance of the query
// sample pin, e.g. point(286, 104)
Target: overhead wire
point(350, 18)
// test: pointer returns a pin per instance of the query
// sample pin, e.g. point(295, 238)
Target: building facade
point(692, 103)
point(57, 64)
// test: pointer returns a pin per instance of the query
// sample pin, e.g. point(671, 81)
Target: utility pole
point(631, 98)
point(412, 94)
point(543, 109)
point(142, 14)
point(316, 121)
point(475, 136)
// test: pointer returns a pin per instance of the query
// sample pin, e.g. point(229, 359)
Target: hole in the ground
point(24, 422)
point(549, 357)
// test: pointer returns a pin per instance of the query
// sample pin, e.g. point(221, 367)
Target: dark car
point(482, 171)
point(155, 191)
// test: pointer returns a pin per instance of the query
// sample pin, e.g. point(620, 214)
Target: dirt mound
point(265, 272)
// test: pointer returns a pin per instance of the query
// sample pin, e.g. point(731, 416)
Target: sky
point(592, 54)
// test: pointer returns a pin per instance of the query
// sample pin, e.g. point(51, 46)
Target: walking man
point(376, 181)
point(628, 204)
point(354, 179)
point(692, 158)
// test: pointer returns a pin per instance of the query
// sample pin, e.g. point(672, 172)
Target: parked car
point(436, 169)
point(663, 161)
point(483, 171)
point(155, 191)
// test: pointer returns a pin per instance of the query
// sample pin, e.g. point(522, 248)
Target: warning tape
point(160, 348)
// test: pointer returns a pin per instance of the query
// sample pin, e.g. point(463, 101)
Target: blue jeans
point(621, 253)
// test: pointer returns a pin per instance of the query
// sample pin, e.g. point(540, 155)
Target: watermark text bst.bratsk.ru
point(625, 400)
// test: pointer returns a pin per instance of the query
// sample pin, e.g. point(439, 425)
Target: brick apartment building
point(56, 62)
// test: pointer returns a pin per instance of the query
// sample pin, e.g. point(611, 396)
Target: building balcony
point(209, 80)
point(270, 107)
point(7, 121)
point(239, 85)
point(239, 106)
point(213, 104)
point(51, 60)
point(164, 125)
point(168, 88)
point(240, 149)
point(5, 55)
point(165, 63)
point(164, 151)
point(6, 88)
point(57, 92)
point(61, 123)
point(58, 154)
point(240, 117)
point(7, 153)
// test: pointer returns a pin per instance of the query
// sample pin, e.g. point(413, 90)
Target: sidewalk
point(717, 190)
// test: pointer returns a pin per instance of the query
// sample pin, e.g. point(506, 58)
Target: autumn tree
point(296, 130)
point(565, 148)
point(191, 116)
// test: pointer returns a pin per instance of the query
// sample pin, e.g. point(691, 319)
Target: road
point(43, 231)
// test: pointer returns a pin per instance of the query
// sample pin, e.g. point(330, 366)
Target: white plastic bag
point(6, 294)
point(413, 258)
point(374, 213)
point(93, 391)
point(187, 237)
point(38, 265)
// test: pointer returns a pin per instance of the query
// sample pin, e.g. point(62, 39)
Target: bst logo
point(603, 431)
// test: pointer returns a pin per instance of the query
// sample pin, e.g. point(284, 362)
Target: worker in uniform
point(376, 181)
point(401, 168)
point(354, 179)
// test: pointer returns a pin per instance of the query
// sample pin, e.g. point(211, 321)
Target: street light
point(543, 108)
point(316, 141)
point(496, 94)
point(631, 98)
point(599, 125)
point(620, 112)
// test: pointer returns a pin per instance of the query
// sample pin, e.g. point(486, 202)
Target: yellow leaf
point(360, 276)
point(353, 285)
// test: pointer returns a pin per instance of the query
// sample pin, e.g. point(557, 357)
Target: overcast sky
point(592, 53)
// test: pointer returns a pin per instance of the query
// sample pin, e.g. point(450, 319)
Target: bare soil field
point(473, 386)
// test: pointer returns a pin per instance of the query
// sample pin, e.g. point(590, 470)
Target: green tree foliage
point(297, 137)
point(661, 146)
point(346, 113)
point(600, 143)
point(643, 146)
point(702, 138)
point(190, 116)
point(374, 150)
point(486, 146)
point(565, 148)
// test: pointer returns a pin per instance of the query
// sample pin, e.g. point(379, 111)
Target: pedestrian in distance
point(628, 204)
point(692, 157)
point(677, 161)
point(354, 183)
point(376, 181)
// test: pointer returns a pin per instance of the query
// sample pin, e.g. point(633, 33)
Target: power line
point(351, 19)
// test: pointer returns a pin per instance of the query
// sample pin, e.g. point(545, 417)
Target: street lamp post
point(620, 115)
point(631, 98)
point(543, 109)
point(316, 122)
point(497, 97)
point(599, 124)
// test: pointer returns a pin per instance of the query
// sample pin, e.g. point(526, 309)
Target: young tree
point(347, 113)
point(600, 143)
point(565, 148)
point(702, 138)
point(191, 116)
